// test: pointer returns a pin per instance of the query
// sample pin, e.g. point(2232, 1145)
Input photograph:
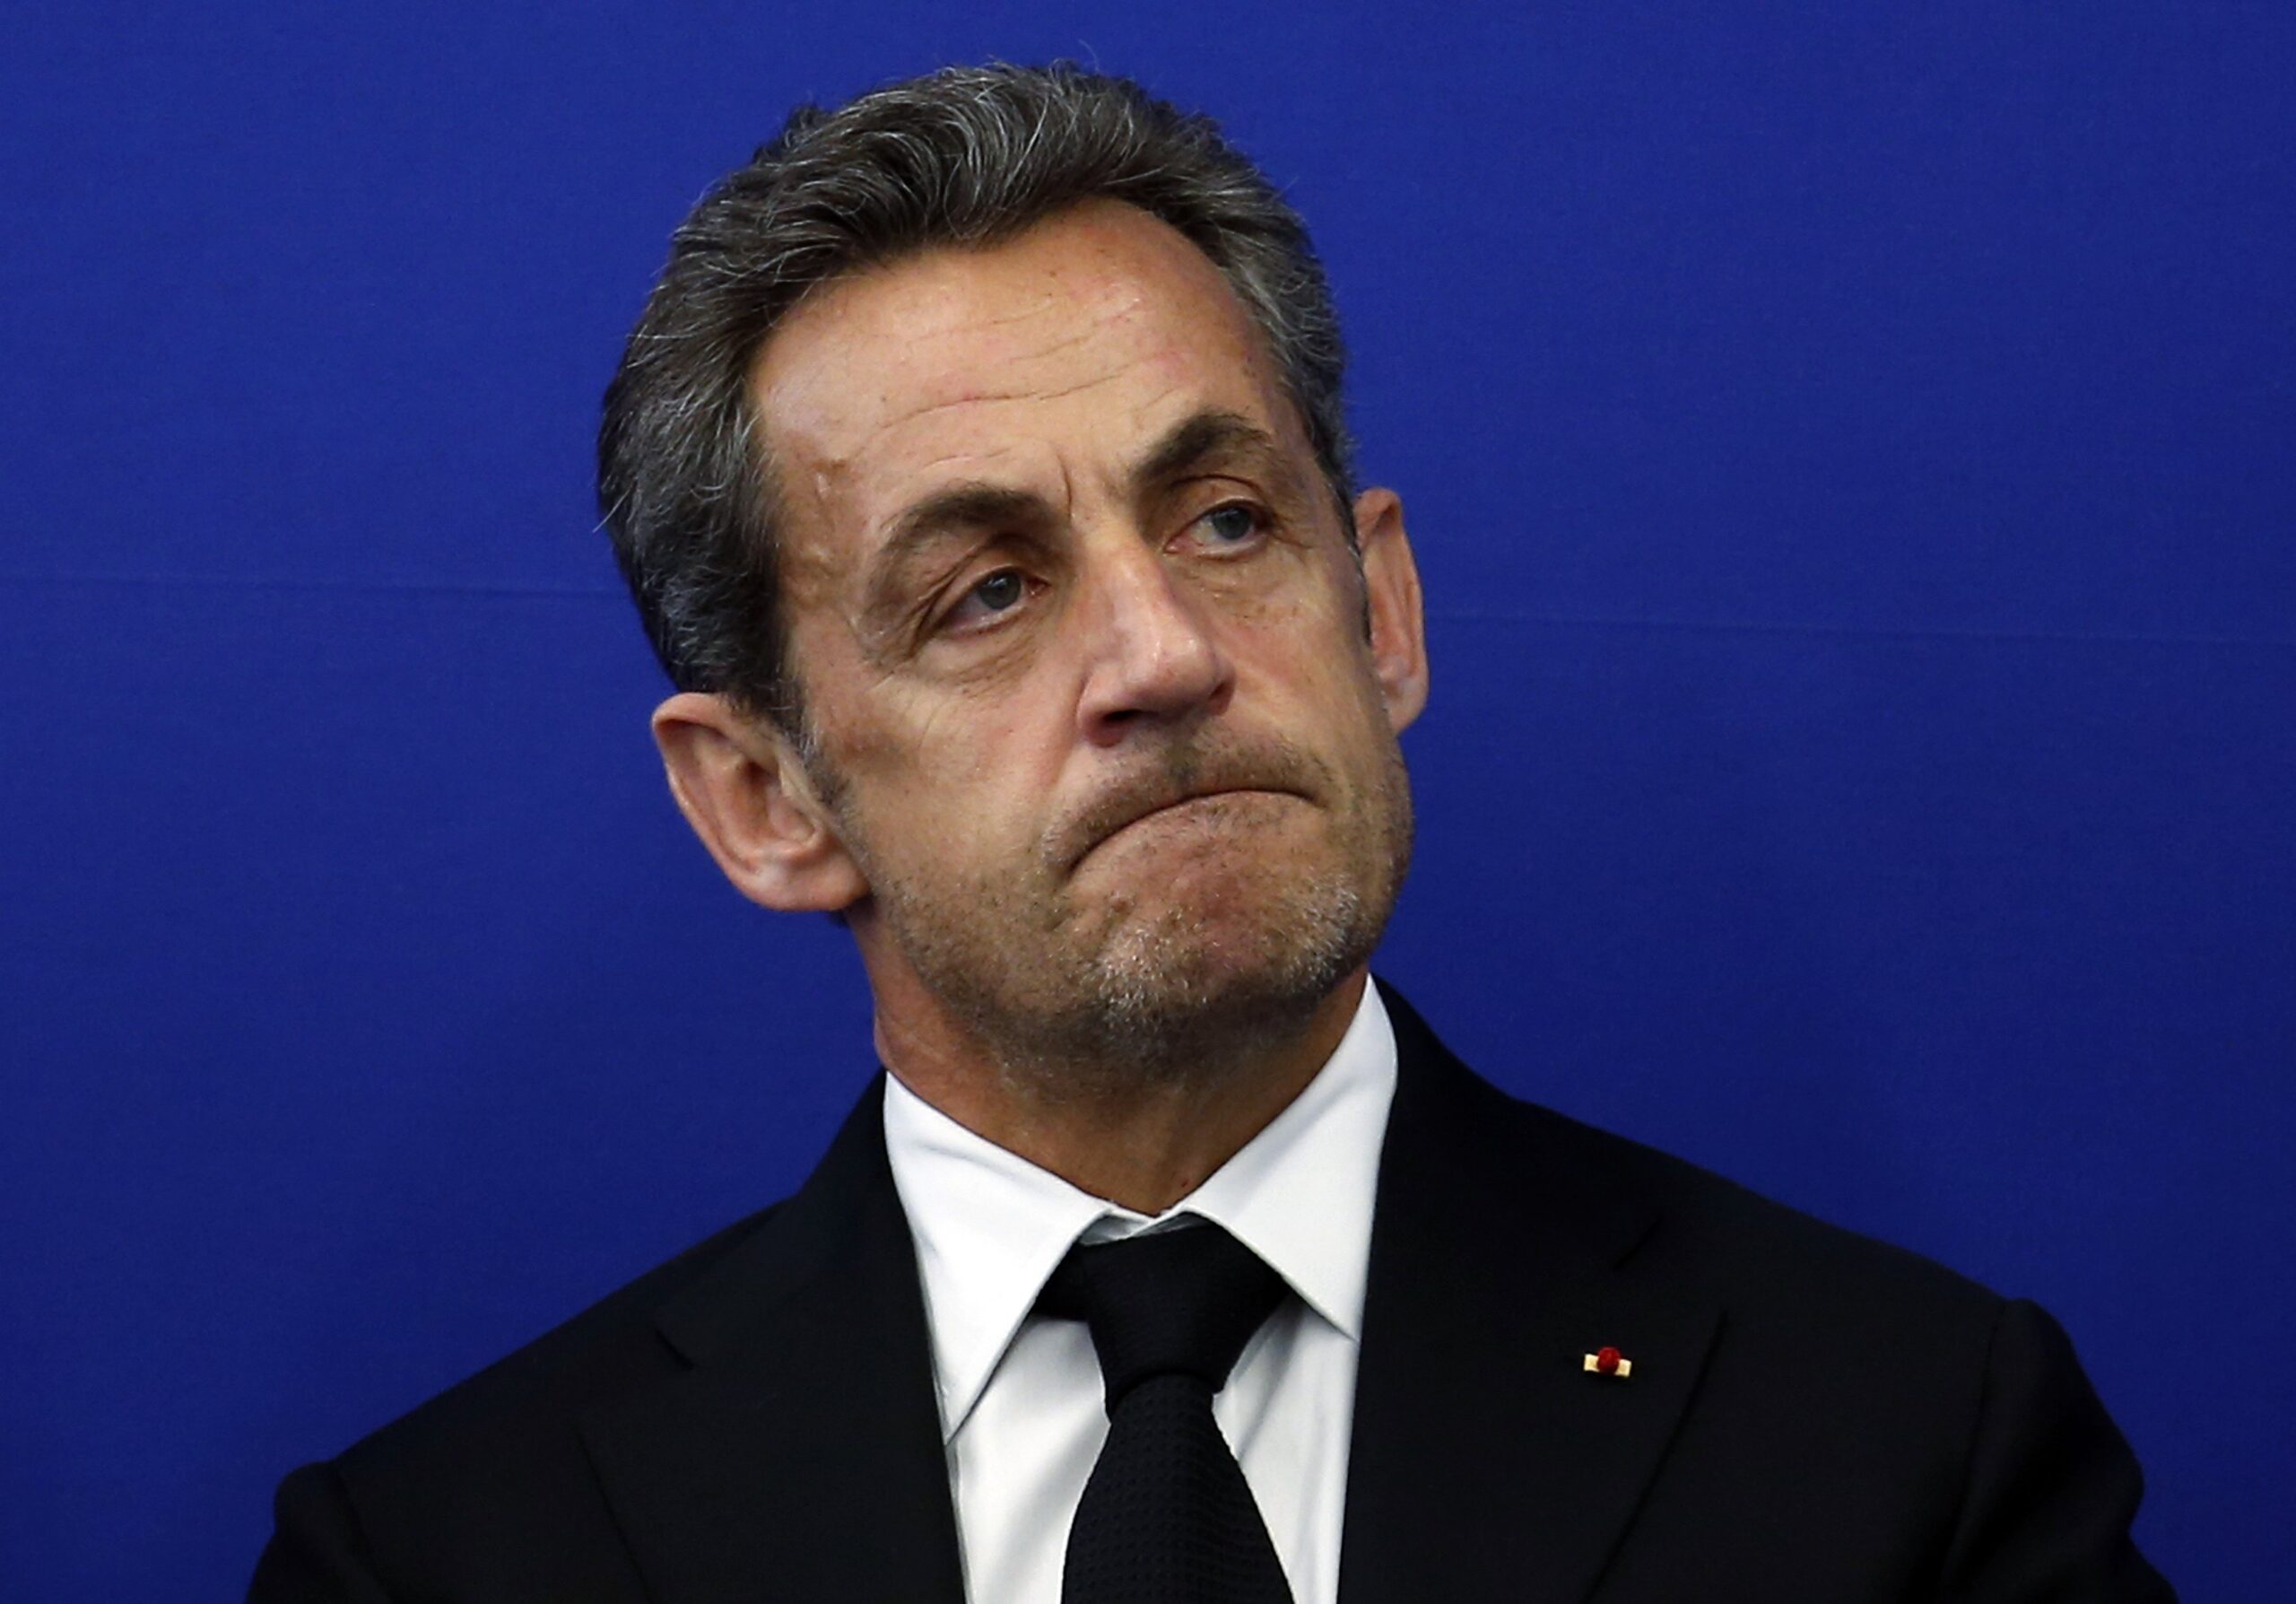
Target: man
point(979, 466)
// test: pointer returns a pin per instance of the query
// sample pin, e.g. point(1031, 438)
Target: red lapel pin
point(1609, 1361)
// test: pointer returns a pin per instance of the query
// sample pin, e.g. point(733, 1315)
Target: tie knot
point(1179, 1301)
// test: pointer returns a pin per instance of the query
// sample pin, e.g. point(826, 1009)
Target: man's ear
point(740, 784)
point(1392, 606)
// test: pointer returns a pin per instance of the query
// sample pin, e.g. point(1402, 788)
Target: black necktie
point(1167, 1517)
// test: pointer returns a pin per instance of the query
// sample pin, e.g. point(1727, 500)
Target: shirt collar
point(990, 1226)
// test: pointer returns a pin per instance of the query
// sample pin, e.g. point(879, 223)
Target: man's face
point(1083, 646)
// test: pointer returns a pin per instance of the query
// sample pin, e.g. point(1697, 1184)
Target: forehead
point(1043, 356)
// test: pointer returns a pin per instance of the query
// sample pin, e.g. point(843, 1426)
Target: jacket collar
point(800, 1450)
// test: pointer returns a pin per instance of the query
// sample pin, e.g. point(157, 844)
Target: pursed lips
point(1189, 800)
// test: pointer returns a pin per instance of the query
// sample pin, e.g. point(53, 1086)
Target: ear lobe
point(1392, 606)
point(740, 784)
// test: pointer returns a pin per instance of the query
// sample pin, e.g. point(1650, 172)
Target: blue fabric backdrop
point(1848, 451)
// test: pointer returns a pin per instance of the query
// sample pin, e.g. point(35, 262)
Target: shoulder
point(1797, 1292)
point(533, 1395)
point(1753, 1242)
point(1873, 1389)
point(493, 1488)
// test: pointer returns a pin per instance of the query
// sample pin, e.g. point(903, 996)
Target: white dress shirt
point(1020, 1401)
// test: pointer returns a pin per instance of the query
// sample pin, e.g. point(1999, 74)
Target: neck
point(1143, 1142)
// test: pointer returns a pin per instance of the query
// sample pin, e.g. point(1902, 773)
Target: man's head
point(1100, 675)
point(965, 156)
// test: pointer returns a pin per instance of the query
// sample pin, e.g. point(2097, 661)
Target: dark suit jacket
point(1811, 1416)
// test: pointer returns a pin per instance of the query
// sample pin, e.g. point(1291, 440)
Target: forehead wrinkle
point(949, 457)
point(1036, 309)
point(1077, 338)
point(927, 409)
point(1101, 317)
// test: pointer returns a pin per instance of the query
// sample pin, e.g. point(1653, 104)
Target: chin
point(1159, 965)
point(1166, 988)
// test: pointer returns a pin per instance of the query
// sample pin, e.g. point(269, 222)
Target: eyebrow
point(951, 508)
point(1199, 438)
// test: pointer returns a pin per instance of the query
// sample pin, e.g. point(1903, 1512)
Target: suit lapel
point(799, 1453)
point(1486, 1462)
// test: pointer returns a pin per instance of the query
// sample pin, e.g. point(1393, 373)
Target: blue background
point(1848, 451)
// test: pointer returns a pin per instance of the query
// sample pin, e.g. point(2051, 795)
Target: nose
point(1152, 657)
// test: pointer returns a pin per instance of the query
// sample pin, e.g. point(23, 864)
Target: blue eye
point(999, 591)
point(988, 601)
point(1231, 525)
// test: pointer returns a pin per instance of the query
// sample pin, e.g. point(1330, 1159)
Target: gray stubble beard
point(1157, 1003)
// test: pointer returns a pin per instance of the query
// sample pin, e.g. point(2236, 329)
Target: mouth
point(1188, 801)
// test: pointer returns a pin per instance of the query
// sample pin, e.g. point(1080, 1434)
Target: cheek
point(1307, 599)
point(932, 775)
point(1309, 652)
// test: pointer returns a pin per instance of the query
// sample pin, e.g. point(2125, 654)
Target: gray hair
point(966, 156)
